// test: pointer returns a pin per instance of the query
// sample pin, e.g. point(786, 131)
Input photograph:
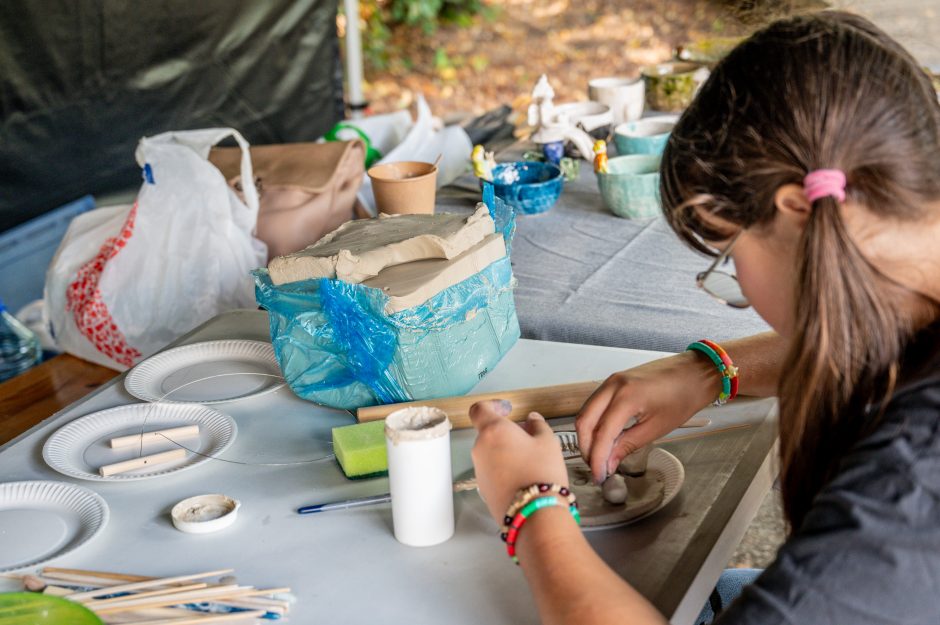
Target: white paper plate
point(664, 471)
point(179, 375)
point(40, 521)
point(79, 448)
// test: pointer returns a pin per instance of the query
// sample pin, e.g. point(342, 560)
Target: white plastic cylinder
point(420, 476)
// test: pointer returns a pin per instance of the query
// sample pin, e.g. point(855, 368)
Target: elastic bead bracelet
point(729, 373)
point(548, 501)
point(527, 494)
point(729, 366)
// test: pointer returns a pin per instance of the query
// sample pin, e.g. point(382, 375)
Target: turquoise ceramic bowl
point(644, 136)
point(631, 189)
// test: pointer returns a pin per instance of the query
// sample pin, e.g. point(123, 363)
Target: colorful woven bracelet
point(729, 366)
point(546, 501)
point(725, 367)
point(527, 494)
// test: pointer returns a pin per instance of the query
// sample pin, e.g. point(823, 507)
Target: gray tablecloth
point(588, 276)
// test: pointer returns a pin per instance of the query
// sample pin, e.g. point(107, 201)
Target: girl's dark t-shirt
point(869, 549)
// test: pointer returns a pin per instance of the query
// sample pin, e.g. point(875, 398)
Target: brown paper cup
point(404, 188)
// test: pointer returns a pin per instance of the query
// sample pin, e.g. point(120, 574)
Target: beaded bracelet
point(729, 373)
point(546, 501)
point(527, 494)
point(729, 366)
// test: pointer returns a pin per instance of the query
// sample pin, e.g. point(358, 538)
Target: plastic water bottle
point(19, 347)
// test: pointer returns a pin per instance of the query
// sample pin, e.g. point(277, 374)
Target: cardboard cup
point(404, 188)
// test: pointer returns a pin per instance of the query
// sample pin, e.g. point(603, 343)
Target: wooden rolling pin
point(562, 400)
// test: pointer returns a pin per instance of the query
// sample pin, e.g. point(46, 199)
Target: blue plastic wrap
point(338, 347)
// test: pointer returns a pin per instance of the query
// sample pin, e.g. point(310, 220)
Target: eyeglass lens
point(726, 288)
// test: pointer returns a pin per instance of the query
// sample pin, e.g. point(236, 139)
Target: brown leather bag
point(306, 190)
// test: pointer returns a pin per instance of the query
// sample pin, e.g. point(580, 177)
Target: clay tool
point(242, 617)
point(141, 462)
point(147, 583)
point(157, 436)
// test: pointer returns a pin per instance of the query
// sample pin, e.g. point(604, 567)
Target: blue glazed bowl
point(631, 189)
point(529, 187)
point(644, 136)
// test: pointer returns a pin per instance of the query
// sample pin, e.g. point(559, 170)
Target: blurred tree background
point(469, 56)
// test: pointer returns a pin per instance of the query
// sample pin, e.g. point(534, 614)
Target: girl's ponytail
point(845, 349)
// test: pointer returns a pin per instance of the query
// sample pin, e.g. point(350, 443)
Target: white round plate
point(206, 373)
point(40, 521)
point(78, 449)
point(664, 473)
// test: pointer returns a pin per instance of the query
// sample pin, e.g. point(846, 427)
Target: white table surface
point(345, 566)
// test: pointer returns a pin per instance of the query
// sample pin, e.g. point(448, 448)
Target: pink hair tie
point(823, 183)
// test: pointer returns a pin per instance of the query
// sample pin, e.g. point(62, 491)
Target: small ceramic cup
point(631, 188)
point(624, 96)
point(671, 87)
point(404, 188)
point(644, 136)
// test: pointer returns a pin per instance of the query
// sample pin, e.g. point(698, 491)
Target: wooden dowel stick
point(148, 593)
point(157, 436)
point(562, 400)
point(144, 461)
point(129, 602)
point(208, 618)
point(55, 573)
point(150, 583)
point(197, 596)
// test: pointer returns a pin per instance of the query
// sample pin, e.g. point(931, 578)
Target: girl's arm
point(571, 584)
point(665, 393)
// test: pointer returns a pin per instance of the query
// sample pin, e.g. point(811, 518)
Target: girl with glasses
point(811, 157)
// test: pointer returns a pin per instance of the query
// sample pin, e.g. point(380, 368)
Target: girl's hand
point(661, 395)
point(508, 456)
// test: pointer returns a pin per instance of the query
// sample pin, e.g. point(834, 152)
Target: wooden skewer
point(144, 461)
point(149, 593)
point(155, 581)
point(55, 573)
point(131, 602)
point(157, 436)
point(196, 596)
point(208, 618)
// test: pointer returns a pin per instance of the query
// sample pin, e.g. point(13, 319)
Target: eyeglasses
point(722, 285)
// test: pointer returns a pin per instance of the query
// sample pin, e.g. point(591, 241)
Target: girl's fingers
point(484, 412)
point(537, 426)
point(608, 429)
point(590, 413)
point(630, 440)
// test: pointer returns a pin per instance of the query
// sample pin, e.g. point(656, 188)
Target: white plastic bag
point(126, 281)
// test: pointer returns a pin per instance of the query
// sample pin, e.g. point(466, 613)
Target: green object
point(372, 155)
point(570, 168)
point(31, 608)
point(670, 87)
point(631, 186)
point(715, 357)
point(360, 449)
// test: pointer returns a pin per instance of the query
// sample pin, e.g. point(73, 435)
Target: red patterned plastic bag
point(126, 281)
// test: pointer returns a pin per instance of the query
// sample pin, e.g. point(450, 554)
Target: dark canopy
point(82, 80)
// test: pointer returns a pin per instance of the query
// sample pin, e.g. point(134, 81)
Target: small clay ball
point(614, 489)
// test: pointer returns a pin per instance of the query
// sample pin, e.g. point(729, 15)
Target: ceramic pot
point(631, 188)
point(529, 187)
point(624, 96)
point(670, 87)
point(644, 136)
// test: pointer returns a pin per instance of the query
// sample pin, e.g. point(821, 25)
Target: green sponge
point(360, 449)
